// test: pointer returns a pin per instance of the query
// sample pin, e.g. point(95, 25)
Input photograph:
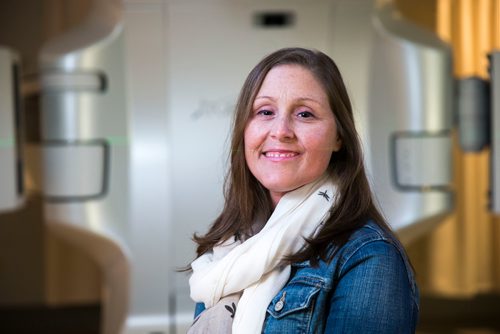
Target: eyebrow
point(299, 99)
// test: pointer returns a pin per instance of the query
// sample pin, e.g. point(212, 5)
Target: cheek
point(249, 146)
point(251, 150)
point(320, 156)
point(321, 143)
point(251, 138)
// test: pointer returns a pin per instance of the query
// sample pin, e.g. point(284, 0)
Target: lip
point(280, 154)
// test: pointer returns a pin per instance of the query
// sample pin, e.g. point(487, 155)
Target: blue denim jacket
point(368, 287)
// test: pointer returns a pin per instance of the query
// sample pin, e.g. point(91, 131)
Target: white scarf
point(255, 266)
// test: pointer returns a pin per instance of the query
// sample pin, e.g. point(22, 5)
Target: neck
point(275, 197)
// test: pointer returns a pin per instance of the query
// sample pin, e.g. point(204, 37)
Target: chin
point(281, 187)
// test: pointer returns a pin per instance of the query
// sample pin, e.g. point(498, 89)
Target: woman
point(300, 246)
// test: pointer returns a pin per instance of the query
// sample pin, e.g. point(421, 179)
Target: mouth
point(280, 155)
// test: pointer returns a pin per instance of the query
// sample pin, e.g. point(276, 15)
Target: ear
point(337, 145)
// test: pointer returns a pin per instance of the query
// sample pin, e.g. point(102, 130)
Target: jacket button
point(281, 303)
point(279, 306)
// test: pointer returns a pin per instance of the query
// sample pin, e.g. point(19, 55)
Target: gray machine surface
point(495, 131)
point(473, 116)
point(137, 105)
point(11, 175)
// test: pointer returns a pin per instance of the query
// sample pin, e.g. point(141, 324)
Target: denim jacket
point(368, 287)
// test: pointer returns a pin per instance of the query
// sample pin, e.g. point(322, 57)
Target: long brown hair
point(247, 200)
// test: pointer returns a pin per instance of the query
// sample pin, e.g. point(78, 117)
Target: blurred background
point(116, 273)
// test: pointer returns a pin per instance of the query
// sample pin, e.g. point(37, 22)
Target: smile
point(280, 154)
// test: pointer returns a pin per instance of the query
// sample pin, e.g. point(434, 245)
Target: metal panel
point(75, 171)
point(473, 113)
point(415, 157)
point(495, 131)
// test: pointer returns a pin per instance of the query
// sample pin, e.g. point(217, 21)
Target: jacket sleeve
point(375, 293)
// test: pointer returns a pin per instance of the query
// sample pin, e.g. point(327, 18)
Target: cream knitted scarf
point(255, 266)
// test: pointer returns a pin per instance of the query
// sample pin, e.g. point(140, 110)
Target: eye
point(265, 112)
point(305, 114)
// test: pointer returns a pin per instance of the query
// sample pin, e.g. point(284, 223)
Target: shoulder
point(369, 237)
point(366, 234)
point(373, 247)
point(370, 247)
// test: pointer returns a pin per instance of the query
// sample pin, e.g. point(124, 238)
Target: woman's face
point(291, 133)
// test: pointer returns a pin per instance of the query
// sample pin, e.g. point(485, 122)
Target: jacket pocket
point(296, 297)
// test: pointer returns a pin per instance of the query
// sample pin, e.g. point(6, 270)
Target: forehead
point(292, 79)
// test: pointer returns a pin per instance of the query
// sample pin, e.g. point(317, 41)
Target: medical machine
point(137, 103)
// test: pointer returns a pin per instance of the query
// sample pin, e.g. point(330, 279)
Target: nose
point(282, 128)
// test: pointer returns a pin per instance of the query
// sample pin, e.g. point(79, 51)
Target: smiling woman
point(292, 133)
point(300, 246)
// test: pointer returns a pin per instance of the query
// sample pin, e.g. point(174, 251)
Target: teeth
point(279, 155)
